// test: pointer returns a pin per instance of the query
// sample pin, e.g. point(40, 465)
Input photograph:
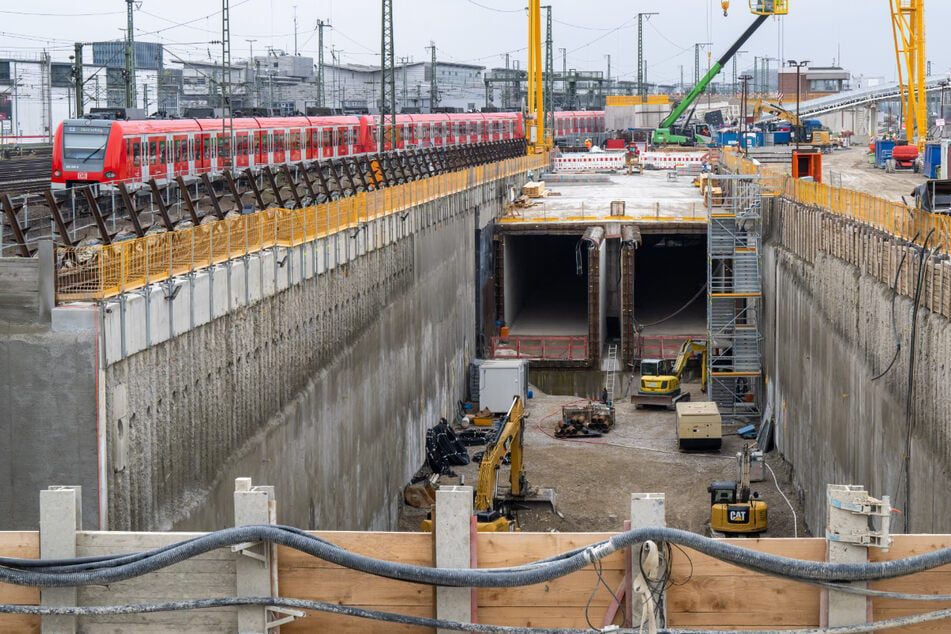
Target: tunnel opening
point(546, 285)
point(670, 276)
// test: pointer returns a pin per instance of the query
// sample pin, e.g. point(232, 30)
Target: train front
point(80, 153)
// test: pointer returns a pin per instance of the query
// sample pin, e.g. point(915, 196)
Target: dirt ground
point(850, 168)
point(593, 478)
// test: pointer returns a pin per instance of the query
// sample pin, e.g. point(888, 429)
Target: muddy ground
point(593, 478)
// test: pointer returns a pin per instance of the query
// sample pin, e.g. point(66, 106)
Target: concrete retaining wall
point(829, 331)
point(320, 371)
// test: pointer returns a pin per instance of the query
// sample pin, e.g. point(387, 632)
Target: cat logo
point(738, 514)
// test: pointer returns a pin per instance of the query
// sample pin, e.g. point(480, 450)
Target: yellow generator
point(733, 509)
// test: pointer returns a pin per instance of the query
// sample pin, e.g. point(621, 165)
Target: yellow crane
point(535, 115)
point(908, 26)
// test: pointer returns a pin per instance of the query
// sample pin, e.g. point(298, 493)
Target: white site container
point(500, 381)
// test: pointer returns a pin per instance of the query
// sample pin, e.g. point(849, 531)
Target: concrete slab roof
point(656, 197)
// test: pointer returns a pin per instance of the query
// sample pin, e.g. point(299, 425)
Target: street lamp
point(798, 66)
point(745, 78)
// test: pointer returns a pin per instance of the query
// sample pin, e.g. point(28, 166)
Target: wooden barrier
point(21, 545)
point(707, 593)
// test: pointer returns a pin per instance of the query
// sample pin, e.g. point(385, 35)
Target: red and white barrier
point(670, 160)
point(588, 162)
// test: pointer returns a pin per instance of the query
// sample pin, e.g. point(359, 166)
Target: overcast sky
point(481, 31)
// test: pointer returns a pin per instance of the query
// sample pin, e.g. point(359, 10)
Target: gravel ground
point(593, 478)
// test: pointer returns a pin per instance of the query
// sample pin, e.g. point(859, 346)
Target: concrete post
point(647, 509)
point(61, 515)
point(845, 525)
point(47, 279)
point(253, 562)
point(451, 528)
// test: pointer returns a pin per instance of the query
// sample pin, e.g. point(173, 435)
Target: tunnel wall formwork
point(830, 287)
point(323, 386)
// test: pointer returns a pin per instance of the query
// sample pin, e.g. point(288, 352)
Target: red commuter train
point(87, 151)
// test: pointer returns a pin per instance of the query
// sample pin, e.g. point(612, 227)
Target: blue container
point(932, 159)
point(531, 394)
point(883, 151)
point(728, 138)
point(782, 137)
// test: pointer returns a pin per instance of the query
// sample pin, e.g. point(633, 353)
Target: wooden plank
point(20, 545)
point(572, 590)
point(408, 548)
point(322, 622)
point(512, 549)
point(781, 618)
point(909, 545)
point(734, 594)
point(353, 588)
point(690, 561)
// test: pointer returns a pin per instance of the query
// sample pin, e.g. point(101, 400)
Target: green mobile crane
point(684, 133)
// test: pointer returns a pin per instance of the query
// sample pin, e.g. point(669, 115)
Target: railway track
point(25, 174)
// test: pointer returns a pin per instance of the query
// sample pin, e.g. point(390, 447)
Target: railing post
point(255, 563)
point(60, 517)
point(647, 510)
point(453, 547)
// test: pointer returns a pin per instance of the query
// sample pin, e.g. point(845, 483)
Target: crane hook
point(726, 7)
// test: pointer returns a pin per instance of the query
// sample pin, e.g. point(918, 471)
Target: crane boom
point(908, 26)
point(714, 71)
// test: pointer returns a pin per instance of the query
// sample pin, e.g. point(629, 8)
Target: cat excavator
point(494, 508)
point(660, 382)
point(733, 509)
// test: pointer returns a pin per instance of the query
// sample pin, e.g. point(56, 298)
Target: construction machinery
point(494, 507)
point(673, 131)
point(660, 381)
point(908, 27)
point(807, 131)
point(733, 509)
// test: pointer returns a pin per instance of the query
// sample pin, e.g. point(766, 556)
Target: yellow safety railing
point(896, 219)
point(101, 271)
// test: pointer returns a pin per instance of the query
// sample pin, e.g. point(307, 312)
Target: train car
point(90, 151)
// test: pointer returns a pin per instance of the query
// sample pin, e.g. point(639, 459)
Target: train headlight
point(110, 174)
point(57, 173)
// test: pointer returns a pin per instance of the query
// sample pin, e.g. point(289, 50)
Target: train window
point(153, 152)
point(136, 156)
point(295, 140)
point(326, 137)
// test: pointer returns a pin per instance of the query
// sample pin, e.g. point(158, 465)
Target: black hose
point(537, 572)
point(901, 263)
point(346, 610)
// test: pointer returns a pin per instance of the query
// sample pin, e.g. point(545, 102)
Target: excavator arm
point(509, 440)
point(778, 111)
point(690, 347)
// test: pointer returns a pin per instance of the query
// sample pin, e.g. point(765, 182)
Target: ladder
point(610, 367)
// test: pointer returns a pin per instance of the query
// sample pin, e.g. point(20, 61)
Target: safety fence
point(89, 273)
point(540, 348)
point(663, 346)
point(893, 218)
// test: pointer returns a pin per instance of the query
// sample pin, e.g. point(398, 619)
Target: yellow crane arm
point(689, 347)
point(779, 111)
point(908, 27)
point(509, 440)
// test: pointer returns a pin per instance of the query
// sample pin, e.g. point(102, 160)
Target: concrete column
point(845, 525)
point(253, 562)
point(647, 510)
point(61, 515)
point(451, 527)
point(47, 279)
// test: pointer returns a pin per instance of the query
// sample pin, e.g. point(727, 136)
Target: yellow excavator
point(492, 507)
point(660, 383)
point(732, 508)
point(819, 137)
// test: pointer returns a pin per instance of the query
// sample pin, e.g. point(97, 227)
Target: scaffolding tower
point(734, 294)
